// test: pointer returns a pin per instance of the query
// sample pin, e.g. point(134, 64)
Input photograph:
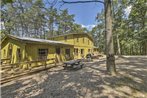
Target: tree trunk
point(145, 48)
point(118, 45)
point(140, 49)
point(109, 39)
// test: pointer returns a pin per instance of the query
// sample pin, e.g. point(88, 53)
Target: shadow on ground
point(90, 82)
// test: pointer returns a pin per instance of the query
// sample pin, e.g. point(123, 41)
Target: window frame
point(67, 52)
point(76, 51)
point(42, 53)
point(82, 51)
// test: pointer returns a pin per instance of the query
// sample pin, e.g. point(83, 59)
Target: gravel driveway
point(92, 81)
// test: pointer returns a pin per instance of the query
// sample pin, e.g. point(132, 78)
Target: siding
point(29, 51)
point(72, 39)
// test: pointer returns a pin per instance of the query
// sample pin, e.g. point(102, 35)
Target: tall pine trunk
point(118, 45)
point(109, 38)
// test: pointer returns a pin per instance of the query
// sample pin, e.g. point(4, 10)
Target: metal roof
point(30, 40)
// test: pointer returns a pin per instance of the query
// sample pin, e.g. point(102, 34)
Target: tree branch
point(71, 2)
point(53, 3)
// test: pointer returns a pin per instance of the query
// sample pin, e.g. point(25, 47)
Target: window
point(89, 50)
point(76, 51)
point(88, 42)
point(82, 51)
point(19, 54)
point(10, 50)
point(83, 40)
point(58, 50)
point(67, 52)
point(42, 53)
point(65, 38)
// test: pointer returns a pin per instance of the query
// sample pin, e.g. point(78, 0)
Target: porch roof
point(37, 41)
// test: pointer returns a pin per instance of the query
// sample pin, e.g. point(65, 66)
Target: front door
point(58, 56)
point(58, 51)
point(82, 53)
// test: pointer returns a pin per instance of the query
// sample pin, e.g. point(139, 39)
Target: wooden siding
point(29, 51)
point(80, 41)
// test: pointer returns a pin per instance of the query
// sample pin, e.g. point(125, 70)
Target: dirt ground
point(92, 81)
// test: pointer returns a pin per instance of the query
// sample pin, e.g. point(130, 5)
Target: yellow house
point(83, 43)
point(20, 49)
point(61, 48)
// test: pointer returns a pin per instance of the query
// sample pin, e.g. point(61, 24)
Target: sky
point(128, 10)
point(85, 14)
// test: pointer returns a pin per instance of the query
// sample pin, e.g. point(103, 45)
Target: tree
point(37, 18)
point(98, 32)
point(23, 17)
point(129, 28)
point(65, 21)
point(109, 36)
point(137, 20)
point(33, 18)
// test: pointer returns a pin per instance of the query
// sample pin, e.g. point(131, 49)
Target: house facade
point(83, 43)
point(19, 49)
point(61, 48)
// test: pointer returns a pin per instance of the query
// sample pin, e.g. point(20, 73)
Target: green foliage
point(129, 32)
point(98, 32)
point(33, 18)
point(7, 1)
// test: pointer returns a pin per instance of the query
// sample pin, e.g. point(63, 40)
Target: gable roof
point(34, 40)
point(73, 34)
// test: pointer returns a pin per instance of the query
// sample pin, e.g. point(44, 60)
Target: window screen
point(42, 53)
